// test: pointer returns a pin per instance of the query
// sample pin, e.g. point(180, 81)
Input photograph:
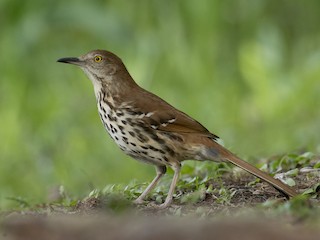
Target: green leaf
point(290, 182)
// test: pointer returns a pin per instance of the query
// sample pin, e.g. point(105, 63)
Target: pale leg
point(161, 170)
point(168, 200)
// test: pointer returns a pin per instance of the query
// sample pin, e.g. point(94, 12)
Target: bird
point(147, 128)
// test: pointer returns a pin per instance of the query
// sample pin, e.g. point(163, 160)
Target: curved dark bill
point(72, 60)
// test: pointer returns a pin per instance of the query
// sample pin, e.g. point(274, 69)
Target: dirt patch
point(133, 227)
point(239, 214)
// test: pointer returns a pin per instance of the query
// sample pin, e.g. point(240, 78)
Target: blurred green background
point(248, 70)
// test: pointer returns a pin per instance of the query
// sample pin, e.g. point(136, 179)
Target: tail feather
point(224, 154)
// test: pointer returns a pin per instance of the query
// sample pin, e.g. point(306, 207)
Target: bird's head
point(99, 65)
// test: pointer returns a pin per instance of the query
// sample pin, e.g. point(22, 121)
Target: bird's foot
point(139, 201)
point(160, 206)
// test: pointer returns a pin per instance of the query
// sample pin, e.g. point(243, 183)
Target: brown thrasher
point(149, 129)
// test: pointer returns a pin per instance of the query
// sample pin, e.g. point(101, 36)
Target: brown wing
point(165, 117)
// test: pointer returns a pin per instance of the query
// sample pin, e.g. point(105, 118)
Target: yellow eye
point(98, 58)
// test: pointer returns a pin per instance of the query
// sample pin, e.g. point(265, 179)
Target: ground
point(231, 205)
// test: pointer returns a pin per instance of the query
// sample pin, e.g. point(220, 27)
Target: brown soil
point(211, 218)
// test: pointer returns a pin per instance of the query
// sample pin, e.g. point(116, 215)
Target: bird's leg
point(176, 169)
point(161, 170)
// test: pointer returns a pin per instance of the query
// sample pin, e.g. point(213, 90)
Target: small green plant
point(22, 203)
point(289, 162)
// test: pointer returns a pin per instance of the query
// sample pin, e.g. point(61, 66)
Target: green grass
point(204, 190)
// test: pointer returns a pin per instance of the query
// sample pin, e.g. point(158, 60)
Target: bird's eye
point(98, 58)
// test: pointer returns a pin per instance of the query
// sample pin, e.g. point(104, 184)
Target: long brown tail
point(224, 154)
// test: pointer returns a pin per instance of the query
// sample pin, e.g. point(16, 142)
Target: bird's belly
point(135, 141)
point(140, 148)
